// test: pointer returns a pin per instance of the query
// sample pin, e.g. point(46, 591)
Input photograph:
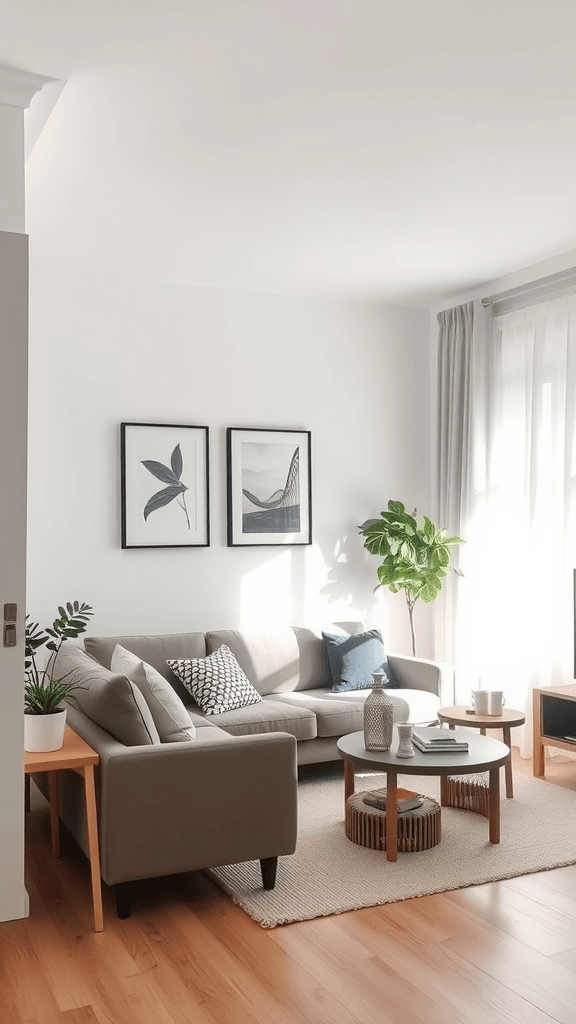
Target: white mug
point(480, 702)
point(488, 702)
point(496, 702)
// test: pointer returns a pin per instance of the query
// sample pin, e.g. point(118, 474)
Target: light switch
point(10, 634)
point(10, 612)
point(9, 630)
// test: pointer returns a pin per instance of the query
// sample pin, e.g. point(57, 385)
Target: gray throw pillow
point(353, 659)
point(170, 716)
point(110, 700)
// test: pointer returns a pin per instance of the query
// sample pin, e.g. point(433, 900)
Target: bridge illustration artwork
point(280, 512)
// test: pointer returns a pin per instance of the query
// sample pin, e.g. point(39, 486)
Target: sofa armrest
point(420, 674)
point(182, 806)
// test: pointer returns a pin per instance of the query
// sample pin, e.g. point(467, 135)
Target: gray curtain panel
point(454, 413)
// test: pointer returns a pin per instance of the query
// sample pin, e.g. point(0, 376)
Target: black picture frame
point(269, 486)
point(156, 459)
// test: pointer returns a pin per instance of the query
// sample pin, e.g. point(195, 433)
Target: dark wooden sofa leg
point(124, 892)
point(268, 866)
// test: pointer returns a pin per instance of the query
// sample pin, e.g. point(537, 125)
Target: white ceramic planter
point(44, 732)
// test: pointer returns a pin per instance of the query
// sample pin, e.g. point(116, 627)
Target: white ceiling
point(399, 151)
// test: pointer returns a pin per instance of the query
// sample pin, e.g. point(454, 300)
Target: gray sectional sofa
point(229, 794)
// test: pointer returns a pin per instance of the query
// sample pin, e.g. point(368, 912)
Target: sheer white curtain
point(514, 622)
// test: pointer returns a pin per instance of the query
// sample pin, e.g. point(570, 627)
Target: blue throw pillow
point(353, 659)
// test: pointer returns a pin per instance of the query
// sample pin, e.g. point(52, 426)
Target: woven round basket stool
point(469, 792)
point(417, 830)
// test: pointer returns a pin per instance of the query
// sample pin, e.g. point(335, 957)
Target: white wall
point(107, 348)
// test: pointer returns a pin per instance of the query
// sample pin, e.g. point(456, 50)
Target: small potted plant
point(44, 716)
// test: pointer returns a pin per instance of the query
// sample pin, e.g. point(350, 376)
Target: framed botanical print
point(269, 486)
point(164, 485)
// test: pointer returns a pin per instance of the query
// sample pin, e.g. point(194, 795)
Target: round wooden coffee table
point(507, 720)
point(484, 755)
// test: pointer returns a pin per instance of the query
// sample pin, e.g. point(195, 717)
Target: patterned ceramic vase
point(378, 715)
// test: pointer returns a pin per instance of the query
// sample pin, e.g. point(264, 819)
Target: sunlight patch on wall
point(266, 593)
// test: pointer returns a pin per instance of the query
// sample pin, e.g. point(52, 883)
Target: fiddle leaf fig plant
point(44, 695)
point(416, 555)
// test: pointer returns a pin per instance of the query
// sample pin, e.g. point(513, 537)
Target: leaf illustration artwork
point(168, 475)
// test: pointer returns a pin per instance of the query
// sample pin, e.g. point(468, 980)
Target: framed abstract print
point(269, 486)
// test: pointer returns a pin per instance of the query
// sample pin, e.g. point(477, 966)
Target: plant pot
point(44, 732)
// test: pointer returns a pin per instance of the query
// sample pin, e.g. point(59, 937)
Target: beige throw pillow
point(168, 712)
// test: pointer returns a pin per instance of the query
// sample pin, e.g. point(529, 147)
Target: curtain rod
point(538, 288)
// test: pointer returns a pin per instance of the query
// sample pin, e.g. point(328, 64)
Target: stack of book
point(407, 800)
point(437, 741)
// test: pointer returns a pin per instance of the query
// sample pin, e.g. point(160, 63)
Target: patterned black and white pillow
point(217, 682)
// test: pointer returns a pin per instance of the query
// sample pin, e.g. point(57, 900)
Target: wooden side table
point(506, 721)
point(554, 722)
point(77, 756)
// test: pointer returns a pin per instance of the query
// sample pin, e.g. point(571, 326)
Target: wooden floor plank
point(203, 967)
point(26, 994)
point(81, 1015)
point(527, 916)
point(567, 959)
point(347, 986)
point(535, 978)
point(468, 994)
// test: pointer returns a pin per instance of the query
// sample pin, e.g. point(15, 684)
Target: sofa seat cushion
point(211, 734)
point(268, 716)
point(417, 706)
point(424, 706)
point(333, 717)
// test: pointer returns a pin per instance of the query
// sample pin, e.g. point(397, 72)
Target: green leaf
point(396, 506)
point(443, 556)
point(428, 529)
point(369, 522)
point(377, 545)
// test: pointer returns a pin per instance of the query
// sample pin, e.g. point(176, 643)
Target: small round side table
point(506, 721)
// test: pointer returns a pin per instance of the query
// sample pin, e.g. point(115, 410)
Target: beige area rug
point(329, 875)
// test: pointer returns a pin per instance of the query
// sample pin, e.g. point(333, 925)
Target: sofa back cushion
point(154, 650)
point(275, 660)
point(109, 699)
